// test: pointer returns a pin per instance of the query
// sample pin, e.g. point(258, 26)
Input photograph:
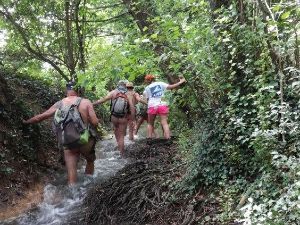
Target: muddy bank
point(28, 154)
point(144, 191)
point(29, 199)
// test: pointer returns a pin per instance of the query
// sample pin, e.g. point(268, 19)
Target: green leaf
point(285, 15)
point(276, 8)
point(154, 36)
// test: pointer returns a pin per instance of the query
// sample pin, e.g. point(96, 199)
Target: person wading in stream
point(154, 92)
point(86, 146)
point(122, 110)
point(135, 98)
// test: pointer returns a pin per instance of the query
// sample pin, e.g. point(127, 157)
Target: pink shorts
point(158, 110)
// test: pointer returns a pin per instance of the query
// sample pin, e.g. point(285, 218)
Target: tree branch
point(106, 6)
point(112, 19)
point(266, 9)
point(28, 46)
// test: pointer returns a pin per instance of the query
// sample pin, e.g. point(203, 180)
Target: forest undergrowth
point(27, 154)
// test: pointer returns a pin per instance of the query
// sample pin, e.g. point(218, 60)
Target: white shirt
point(154, 92)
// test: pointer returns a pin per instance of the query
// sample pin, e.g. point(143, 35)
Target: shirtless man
point(119, 122)
point(135, 98)
point(89, 117)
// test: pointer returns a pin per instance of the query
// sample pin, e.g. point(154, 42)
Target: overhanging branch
point(28, 46)
point(106, 6)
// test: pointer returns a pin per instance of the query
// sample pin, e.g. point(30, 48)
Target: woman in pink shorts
point(154, 92)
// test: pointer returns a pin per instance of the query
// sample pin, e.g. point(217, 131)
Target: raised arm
point(139, 99)
point(45, 115)
point(104, 99)
point(172, 86)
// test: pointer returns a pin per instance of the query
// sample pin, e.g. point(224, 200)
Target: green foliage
point(274, 196)
point(207, 159)
point(22, 140)
point(240, 103)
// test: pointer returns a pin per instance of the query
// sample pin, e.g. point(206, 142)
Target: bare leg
point(150, 126)
point(165, 125)
point(138, 124)
point(88, 152)
point(131, 128)
point(89, 169)
point(120, 125)
point(116, 132)
point(71, 158)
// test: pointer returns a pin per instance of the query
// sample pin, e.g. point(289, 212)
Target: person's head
point(149, 78)
point(129, 86)
point(122, 83)
point(121, 86)
point(72, 88)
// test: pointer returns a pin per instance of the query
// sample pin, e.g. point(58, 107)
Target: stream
point(61, 201)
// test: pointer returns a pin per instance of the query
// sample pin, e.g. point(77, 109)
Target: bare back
point(132, 96)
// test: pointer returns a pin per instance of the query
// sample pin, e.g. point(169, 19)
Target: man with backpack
point(122, 110)
point(74, 120)
point(135, 98)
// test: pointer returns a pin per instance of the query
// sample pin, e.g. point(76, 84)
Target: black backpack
point(119, 104)
point(69, 127)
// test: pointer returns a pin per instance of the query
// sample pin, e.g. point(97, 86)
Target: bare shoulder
point(86, 101)
point(57, 104)
point(112, 93)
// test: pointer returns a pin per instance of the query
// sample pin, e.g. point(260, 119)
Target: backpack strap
point(77, 103)
point(59, 104)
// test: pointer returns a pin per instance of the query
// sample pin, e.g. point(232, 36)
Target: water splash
point(61, 201)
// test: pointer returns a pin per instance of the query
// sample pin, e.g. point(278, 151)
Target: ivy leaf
point(154, 36)
point(276, 8)
point(146, 40)
point(285, 15)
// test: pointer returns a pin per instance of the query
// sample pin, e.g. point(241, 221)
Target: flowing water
point(60, 201)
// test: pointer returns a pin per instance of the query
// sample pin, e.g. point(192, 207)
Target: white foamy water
point(61, 201)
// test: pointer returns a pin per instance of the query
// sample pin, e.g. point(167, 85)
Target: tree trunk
point(297, 52)
point(69, 40)
point(276, 58)
point(143, 13)
point(80, 35)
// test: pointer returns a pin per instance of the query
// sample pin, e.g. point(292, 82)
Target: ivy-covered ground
point(27, 153)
